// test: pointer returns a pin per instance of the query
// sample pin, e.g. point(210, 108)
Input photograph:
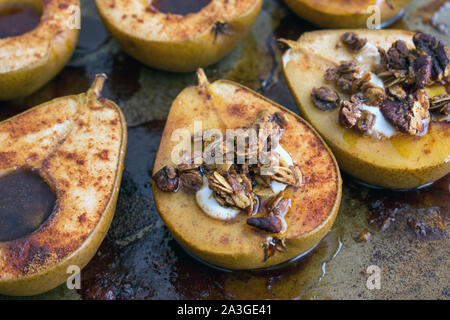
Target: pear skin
point(174, 42)
point(234, 244)
point(29, 61)
point(399, 162)
point(77, 145)
point(336, 14)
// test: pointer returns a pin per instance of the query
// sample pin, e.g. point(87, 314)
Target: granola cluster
point(243, 185)
point(405, 73)
point(353, 42)
point(351, 115)
point(441, 104)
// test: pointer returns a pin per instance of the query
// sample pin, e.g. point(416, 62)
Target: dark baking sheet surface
point(140, 260)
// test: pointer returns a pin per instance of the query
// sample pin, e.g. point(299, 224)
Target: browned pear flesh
point(348, 13)
point(76, 144)
point(29, 60)
point(172, 41)
point(398, 162)
point(234, 244)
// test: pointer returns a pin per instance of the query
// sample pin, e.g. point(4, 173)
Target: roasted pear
point(174, 42)
point(396, 160)
point(218, 232)
point(77, 145)
point(29, 61)
point(347, 14)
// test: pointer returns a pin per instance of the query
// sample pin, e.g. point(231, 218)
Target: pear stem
point(289, 43)
point(97, 85)
point(202, 79)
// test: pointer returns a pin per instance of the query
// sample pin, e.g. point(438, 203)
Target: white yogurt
point(368, 56)
point(381, 125)
point(287, 57)
point(276, 186)
point(376, 80)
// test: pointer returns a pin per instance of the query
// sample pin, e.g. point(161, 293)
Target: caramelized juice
point(26, 202)
point(16, 20)
point(181, 7)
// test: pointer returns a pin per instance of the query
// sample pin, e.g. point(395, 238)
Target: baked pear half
point(379, 100)
point(220, 194)
point(175, 42)
point(29, 61)
point(77, 145)
point(348, 13)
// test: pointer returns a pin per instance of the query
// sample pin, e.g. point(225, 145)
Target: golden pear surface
point(77, 146)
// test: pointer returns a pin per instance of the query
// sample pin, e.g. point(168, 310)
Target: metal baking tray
point(139, 259)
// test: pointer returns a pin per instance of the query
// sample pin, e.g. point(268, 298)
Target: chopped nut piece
point(352, 41)
point(278, 206)
point(384, 61)
point(269, 131)
point(280, 244)
point(344, 76)
point(344, 67)
point(281, 208)
point(350, 112)
point(438, 52)
point(397, 55)
point(360, 81)
point(422, 69)
point(373, 94)
point(441, 103)
point(263, 192)
point(272, 245)
point(232, 190)
point(420, 112)
point(241, 189)
point(407, 115)
point(298, 176)
point(270, 224)
point(398, 92)
point(187, 166)
point(397, 113)
point(345, 83)
point(347, 67)
point(272, 203)
point(167, 179)
point(263, 181)
point(287, 175)
point(191, 181)
point(365, 122)
point(217, 181)
point(325, 99)
point(254, 204)
point(418, 67)
point(281, 119)
point(331, 75)
point(393, 77)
